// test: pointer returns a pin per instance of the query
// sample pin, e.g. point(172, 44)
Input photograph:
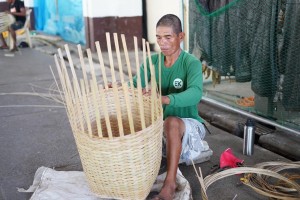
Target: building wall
point(3, 5)
point(122, 17)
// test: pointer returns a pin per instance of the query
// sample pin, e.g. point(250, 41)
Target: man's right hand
point(165, 100)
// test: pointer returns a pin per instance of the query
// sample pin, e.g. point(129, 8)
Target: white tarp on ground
point(61, 185)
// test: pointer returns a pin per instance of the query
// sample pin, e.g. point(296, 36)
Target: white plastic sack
point(60, 185)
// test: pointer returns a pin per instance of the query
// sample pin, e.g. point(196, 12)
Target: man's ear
point(181, 35)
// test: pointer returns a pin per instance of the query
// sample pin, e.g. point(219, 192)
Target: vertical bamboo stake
point(70, 101)
point(66, 76)
point(159, 72)
point(63, 84)
point(83, 67)
point(128, 105)
point(60, 77)
point(79, 114)
point(73, 96)
point(91, 63)
point(110, 58)
point(126, 56)
point(100, 57)
point(86, 108)
point(106, 115)
point(128, 66)
point(118, 108)
point(96, 108)
point(139, 87)
point(153, 85)
point(119, 57)
point(145, 64)
point(75, 83)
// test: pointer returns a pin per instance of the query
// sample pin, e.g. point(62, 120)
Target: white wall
point(29, 3)
point(155, 10)
point(109, 8)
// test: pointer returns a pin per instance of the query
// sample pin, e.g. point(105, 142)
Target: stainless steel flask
point(249, 137)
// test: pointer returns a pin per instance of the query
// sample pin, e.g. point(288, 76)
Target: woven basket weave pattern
point(122, 167)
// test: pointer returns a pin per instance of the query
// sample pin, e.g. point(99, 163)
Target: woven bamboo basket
point(117, 130)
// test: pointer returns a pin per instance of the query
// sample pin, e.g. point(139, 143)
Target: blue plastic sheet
point(61, 17)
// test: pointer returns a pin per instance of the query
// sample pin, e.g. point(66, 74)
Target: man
point(17, 9)
point(181, 85)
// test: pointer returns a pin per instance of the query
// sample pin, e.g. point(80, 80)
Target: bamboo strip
point(128, 66)
point(119, 57)
point(118, 109)
point(78, 115)
point(102, 67)
point(75, 82)
point(201, 181)
point(64, 85)
point(113, 76)
point(159, 73)
point(91, 63)
point(128, 105)
point(60, 77)
point(83, 68)
point(145, 64)
point(106, 115)
point(71, 97)
point(139, 87)
point(96, 108)
point(258, 188)
point(86, 108)
point(66, 76)
point(154, 106)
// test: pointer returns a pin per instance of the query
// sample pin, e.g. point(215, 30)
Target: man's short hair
point(170, 20)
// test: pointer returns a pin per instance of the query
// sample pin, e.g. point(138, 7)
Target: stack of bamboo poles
point(260, 178)
point(5, 21)
point(117, 129)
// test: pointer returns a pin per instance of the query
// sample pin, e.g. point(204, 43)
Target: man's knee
point(175, 124)
point(15, 26)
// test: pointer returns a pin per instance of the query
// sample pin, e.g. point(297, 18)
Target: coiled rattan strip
point(255, 177)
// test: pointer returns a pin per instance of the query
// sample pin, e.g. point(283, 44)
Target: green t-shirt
point(182, 83)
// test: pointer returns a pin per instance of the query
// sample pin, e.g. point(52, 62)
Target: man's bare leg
point(173, 129)
point(3, 43)
point(14, 37)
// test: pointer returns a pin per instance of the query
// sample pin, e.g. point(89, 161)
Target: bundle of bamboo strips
point(117, 129)
point(259, 179)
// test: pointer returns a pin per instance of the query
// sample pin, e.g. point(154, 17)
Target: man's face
point(168, 41)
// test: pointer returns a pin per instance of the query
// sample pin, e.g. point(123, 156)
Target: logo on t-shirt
point(178, 83)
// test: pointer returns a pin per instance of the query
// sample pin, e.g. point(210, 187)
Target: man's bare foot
point(167, 192)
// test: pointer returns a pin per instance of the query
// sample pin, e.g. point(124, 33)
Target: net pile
point(257, 41)
point(118, 131)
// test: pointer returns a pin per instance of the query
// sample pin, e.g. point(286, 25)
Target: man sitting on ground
point(17, 9)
